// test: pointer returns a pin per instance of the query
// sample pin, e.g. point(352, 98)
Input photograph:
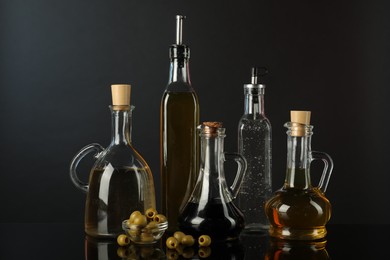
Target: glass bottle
point(300, 211)
point(179, 143)
point(120, 181)
point(210, 209)
point(254, 143)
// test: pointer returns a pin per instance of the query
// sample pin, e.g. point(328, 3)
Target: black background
point(59, 58)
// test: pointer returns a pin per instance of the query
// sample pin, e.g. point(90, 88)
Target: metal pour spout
point(179, 29)
point(254, 75)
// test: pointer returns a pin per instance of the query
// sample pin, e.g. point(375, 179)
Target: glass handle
point(97, 149)
point(242, 165)
point(328, 168)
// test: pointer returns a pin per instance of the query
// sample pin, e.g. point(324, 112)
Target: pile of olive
point(142, 228)
point(181, 244)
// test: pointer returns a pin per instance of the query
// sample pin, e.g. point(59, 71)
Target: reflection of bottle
point(178, 122)
point(120, 181)
point(101, 249)
point(255, 244)
point(298, 210)
point(210, 209)
point(108, 249)
point(254, 143)
point(283, 249)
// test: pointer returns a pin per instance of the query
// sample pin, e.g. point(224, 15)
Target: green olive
point(123, 240)
point(204, 240)
point(179, 235)
point(147, 237)
point(171, 243)
point(133, 215)
point(134, 232)
point(150, 213)
point(188, 240)
point(152, 225)
point(160, 218)
point(140, 220)
point(204, 252)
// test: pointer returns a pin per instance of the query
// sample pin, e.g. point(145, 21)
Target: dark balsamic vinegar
point(221, 221)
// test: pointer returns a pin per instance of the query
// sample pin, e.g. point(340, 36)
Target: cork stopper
point(211, 129)
point(300, 117)
point(121, 96)
point(299, 122)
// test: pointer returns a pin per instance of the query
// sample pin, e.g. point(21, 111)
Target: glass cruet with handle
point(299, 210)
point(120, 181)
point(211, 210)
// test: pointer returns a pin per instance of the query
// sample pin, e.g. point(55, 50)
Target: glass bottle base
point(290, 233)
point(96, 234)
point(256, 228)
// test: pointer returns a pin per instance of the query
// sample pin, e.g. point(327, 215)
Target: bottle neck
point(179, 71)
point(121, 126)
point(298, 162)
point(212, 155)
point(254, 104)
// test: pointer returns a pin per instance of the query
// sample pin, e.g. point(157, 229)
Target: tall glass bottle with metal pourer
point(254, 143)
point(179, 119)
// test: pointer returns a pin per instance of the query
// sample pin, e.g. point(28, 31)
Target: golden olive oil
point(297, 213)
point(179, 151)
point(113, 194)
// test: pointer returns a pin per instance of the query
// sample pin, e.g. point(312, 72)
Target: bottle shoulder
point(122, 156)
point(180, 98)
point(298, 197)
point(179, 86)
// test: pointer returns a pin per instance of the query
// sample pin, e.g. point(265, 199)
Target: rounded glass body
point(120, 181)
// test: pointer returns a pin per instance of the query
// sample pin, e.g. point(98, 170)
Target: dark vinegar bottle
point(210, 209)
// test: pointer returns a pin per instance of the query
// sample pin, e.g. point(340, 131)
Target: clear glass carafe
point(210, 209)
point(300, 211)
point(120, 181)
point(254, 143)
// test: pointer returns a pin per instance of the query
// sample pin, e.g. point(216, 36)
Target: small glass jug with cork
point(211, 209)
point(120, 181)
point(300, 211)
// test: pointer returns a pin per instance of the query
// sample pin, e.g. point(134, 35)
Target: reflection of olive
point(204, 240)
point(150, 213)
point(160, 218)
point(122, 252)
point(172, 254)
point(180, 249)
point(133, 215)
point(188, 240)
point(171, 243)
point(146, 251)
point(188, 252)
point(204, 252)
point(179, 235)
point(123, 240)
